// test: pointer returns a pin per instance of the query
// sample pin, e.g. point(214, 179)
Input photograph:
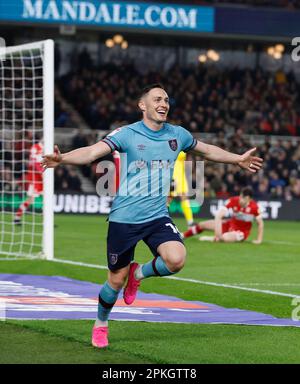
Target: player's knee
point(176, 261)
point(117, 284)
point(117, 279)
point(222, 238)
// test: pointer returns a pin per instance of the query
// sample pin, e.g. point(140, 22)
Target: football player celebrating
point(148, 144)
point(244, 211)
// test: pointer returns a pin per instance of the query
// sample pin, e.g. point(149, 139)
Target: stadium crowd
point(202, 98)
point(227, 103)
point(279, 178)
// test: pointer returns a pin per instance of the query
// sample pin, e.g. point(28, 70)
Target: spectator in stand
point(280, 177)
point(79, 140)
point(74, 183)
point(66, 180)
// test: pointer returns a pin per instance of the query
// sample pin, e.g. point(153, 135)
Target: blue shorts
point(122, 239)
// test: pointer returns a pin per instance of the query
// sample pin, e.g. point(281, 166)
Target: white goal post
point(27, 128)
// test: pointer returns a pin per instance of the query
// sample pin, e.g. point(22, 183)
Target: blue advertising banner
point(110, 13)
point(258, 22)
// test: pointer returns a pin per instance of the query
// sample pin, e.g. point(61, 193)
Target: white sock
point(207, 238)
point(138, 274)
point(99, 323)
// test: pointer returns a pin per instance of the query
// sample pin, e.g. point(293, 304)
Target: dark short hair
point(148, 88)
point(247, 191)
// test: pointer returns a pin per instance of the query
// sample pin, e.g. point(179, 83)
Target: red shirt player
point(33, 179)
point(244, 211)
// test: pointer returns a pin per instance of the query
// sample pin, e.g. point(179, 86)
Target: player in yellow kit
point(180, 188)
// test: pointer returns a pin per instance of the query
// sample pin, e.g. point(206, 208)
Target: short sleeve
point(255, 210)
point(117, 140)
point(188, 142)
point(229, 203)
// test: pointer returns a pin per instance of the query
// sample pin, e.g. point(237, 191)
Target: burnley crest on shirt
point(173, 144)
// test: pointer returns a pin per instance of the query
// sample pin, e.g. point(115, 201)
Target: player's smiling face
point(155, 105)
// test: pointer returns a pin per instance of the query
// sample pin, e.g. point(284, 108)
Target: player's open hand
point(249, 162)
point(257, 242)
point(53, 160)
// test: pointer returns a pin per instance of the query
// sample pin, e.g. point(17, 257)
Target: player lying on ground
point(33, 179)
point(148, 142)
point(237, 228)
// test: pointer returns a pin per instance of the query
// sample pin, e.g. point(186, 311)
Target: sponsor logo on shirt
point(243, 216)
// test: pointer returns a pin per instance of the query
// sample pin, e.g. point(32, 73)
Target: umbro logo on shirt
point(141, 147)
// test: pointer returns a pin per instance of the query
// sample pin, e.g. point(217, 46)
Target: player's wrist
point(239, 160)
point(62, 159)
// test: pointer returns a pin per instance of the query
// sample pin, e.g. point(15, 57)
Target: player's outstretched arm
point(246, 161)
point(80, 156)
point(218, 223)
point(260, 230)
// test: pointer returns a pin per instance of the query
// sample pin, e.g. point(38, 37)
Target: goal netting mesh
point(26, 119)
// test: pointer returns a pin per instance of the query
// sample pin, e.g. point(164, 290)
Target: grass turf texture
point(82, 238)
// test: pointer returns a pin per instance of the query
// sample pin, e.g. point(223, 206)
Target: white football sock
point(207, 238)
point(99, 323)
point(138, 274)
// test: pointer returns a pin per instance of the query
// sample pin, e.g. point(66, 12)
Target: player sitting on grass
point(148, 143)
point(238, 227)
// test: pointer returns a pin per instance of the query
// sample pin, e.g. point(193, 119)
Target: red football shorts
point(230, 226)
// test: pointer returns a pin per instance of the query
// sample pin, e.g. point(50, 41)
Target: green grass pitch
point(274, 266)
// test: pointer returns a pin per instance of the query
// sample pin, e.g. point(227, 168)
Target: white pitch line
point(232, 286)
point(78, 263)
point(186, 280)
point(280, 242)
point(23, 258)
point(270, 284)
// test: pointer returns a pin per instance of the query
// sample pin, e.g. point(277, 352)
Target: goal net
point(26, 133)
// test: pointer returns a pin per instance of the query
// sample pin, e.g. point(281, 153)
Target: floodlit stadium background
point(232, 81)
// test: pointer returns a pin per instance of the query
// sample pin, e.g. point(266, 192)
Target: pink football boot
point(132, 286)
point(99, 337)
